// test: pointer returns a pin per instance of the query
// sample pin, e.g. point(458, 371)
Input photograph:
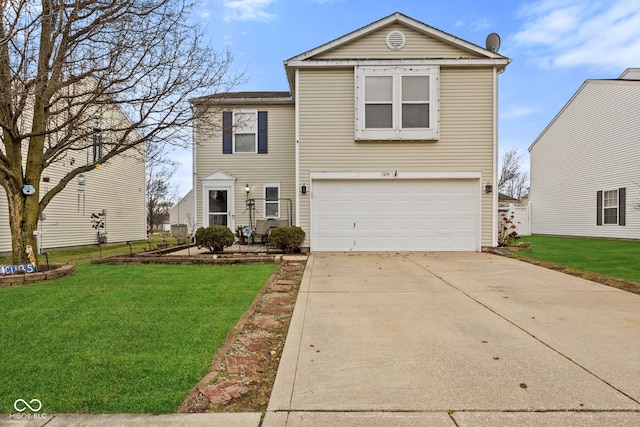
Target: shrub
point(287, 238)
point(507, 233)
point(216, 238)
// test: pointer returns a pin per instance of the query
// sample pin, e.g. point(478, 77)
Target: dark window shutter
point(227, 132)
point(262, 132)
point(599, 208)
point(622, 204)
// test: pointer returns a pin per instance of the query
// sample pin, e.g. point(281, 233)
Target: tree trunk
point(24, 213)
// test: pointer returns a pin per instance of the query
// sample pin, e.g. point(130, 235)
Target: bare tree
point(513, 181)
point(160, 197)
point(66, 63)
point(161, 194)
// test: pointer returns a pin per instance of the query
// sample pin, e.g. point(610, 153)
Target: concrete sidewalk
point(456, 339)
point(133, 420)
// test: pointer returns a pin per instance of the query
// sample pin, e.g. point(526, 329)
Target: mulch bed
point(242, 373)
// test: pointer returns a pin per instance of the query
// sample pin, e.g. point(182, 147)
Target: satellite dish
point(493, 42)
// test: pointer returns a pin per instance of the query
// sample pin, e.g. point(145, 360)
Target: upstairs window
point(97, 145)
point(244, 131)
point(245, 135)
point(397, 103)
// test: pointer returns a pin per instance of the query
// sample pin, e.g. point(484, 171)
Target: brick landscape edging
point(18, 279)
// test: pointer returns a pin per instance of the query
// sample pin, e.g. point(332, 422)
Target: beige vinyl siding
point(591, 145)
point(118, 186)
point(327, 138)
point(374, 46)
point(277, 166)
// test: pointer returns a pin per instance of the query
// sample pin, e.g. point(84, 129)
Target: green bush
point(287, 238)
point(216, 238)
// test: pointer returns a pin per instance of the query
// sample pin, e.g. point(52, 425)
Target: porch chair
point(264, 227)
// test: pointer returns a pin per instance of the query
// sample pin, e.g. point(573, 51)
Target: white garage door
point(395, 215)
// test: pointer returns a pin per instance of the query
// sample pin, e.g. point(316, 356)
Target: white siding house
point(182, 212)
point(109, 200)
point(585, 179)
point(387, 140)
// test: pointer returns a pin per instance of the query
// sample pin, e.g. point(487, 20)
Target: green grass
point(114, 339)
point(616, 258)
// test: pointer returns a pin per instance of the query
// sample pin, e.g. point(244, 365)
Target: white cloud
point(247, 10)
point(517, 112)
point(570, 33)
point(480, 24)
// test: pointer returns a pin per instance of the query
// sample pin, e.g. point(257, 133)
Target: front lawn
point(119, 339)
point(616, 258)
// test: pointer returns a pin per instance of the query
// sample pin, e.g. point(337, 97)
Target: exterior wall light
point(247, 189)
point(303, 189)
point(488, 188)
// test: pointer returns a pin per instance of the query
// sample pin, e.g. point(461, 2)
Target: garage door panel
point(370, 215)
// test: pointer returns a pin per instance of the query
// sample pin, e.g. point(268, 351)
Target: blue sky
point(554, 45)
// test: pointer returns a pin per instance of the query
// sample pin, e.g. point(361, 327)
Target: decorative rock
point(223, 393)
point(282, 300)
point(275, 310)
point(256, 342)
point(266, 323)
point(241, 364)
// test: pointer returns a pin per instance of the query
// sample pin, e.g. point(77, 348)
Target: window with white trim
point(611, 207)
point(245, 135)
point(397, 103)
point(272, 201)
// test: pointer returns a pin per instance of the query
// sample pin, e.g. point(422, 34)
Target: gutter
point(297, 125)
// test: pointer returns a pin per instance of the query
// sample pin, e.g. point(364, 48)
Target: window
point(611, 207)
point(244, 131)
point(244, 135)
point(272, 200)
point(397, 103)
point(97, 145)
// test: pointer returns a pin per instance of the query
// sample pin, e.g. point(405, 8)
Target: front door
point(219, 207)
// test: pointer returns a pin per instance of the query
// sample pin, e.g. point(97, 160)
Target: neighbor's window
point(610, 206)
point(245, 132)
point(97, 145)
point(272, 201)
point(397, 103)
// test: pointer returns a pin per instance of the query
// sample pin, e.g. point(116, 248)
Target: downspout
point(494, 203)
point(195, 175)
point(297, 125)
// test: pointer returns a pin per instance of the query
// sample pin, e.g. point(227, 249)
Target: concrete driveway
point(456, 339)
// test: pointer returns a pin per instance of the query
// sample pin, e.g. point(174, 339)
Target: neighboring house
point(505, 200)
point(386, 141)
point(182, 212)
point(108, 201)
point(181, 216)
point(585, 179)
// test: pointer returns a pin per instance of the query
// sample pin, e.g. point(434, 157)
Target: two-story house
point(387, 140)
point(105, 204)
point(584, 165)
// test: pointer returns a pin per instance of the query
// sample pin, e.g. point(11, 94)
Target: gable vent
point(396, 40)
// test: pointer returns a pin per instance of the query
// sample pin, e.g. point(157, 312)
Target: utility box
point(179, 231)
